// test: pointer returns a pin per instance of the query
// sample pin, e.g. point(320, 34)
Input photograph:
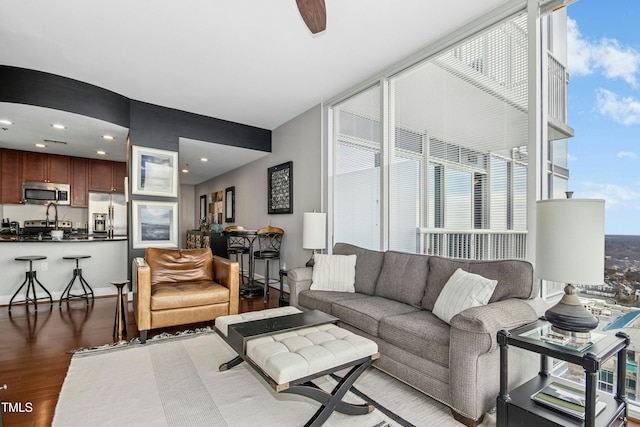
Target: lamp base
point(570, 318)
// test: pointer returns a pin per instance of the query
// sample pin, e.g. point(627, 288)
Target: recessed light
point(109, 137)
point(6, 122)
point(58, 126)
point(102, 153)
point(185, 170)
point(204, 159)
point(40, 145)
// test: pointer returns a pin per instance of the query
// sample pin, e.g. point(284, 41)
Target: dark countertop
point(71, 238)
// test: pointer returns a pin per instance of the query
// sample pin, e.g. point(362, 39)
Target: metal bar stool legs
point(30, 280)
point(77, 273)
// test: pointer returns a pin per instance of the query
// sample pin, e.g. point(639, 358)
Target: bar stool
point(120, 322)
point(30, 278)
point(269, 242)
point(77, 273)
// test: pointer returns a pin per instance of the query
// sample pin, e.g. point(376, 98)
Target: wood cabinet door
point(10, 177)
point(119, 173)
point(34, 167)
point(79, 181)
point(100, 175)
point(58, 169)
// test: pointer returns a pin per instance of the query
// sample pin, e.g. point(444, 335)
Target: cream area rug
point(176, 382)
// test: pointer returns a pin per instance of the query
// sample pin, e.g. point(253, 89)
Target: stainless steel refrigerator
point(113, 207)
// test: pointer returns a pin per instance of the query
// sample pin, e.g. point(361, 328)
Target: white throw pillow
point(334, 273)
point(463, 290)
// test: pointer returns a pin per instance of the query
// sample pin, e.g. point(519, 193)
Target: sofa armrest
point(226, 273)
point(141, 286)
point(473, 356)
point(491, 318)
point(298, 279)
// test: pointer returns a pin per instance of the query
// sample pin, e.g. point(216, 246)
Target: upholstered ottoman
point(289, 348)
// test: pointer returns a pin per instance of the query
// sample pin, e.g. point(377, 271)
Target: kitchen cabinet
point(119, 173)
point(79, 181)
point(10, 176)
point(41, 167)
point(105, 175)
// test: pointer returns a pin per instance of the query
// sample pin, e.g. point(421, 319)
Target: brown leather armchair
point(178, 286)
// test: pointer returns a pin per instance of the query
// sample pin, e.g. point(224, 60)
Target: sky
point(604, 108)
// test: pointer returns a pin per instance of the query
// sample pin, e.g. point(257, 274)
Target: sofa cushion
point(368, 265)
point(166, 296)
point(365, 313)
point(463, 290)
point(323, 300)
point(334, 273)
point(403, 277)
point(420, 333)
point(515, 278)
point(179, 265)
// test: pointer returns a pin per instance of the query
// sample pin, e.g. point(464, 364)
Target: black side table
point(283, 300)
point(516, 408)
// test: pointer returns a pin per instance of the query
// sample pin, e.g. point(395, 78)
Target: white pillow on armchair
point(334, 273)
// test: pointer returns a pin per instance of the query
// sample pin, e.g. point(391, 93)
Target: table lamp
point(314, 232)
point(570, 249)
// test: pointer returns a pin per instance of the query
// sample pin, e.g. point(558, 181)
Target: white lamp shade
point(570, 241)
point(314, 230)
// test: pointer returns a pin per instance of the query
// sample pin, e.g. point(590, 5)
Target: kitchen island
point(108, 262)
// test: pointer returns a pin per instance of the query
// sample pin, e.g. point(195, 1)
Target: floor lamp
point(314, 233)
point(570, 249)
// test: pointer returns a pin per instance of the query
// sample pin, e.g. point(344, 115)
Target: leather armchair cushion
point(166, 296)
point(179, 265)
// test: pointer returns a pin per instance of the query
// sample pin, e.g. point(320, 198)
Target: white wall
point(189, 209)
point(299, 140)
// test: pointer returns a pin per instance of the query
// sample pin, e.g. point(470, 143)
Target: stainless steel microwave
point(43, 193)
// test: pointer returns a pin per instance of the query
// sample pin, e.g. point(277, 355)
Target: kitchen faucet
point(55, 207)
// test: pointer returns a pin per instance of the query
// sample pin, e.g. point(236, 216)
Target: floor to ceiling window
point(440, 166)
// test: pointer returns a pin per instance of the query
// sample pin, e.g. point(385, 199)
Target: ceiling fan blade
point(314, 14)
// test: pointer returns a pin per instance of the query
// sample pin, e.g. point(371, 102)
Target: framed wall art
point(154, 224)
point(230, 204)
point(280, 189)
point(155, 172)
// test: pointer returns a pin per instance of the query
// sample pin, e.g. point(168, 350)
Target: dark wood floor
point(34, 352)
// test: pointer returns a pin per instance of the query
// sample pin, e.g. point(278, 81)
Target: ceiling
point(252, 61)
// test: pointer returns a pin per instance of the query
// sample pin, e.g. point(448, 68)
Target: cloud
point(627, 154)
point(606, 55)
point(621, 109)
point(614, 195)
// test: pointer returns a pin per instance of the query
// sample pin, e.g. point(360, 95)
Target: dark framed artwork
point(280, 193)
point(230, 204)
point(203, 206)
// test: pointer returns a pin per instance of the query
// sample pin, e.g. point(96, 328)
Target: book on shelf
point(565, 398)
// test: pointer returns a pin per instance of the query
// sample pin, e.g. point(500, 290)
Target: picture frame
point(154, 172)
point(203, 206)
point(230, 204)
point(280, 189)
point(154, 224)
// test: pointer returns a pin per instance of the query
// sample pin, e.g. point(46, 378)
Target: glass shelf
point(546, 334)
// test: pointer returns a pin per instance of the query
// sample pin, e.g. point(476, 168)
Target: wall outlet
point(44, 266)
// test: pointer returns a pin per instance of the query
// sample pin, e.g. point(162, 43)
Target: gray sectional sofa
point(395, 292)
